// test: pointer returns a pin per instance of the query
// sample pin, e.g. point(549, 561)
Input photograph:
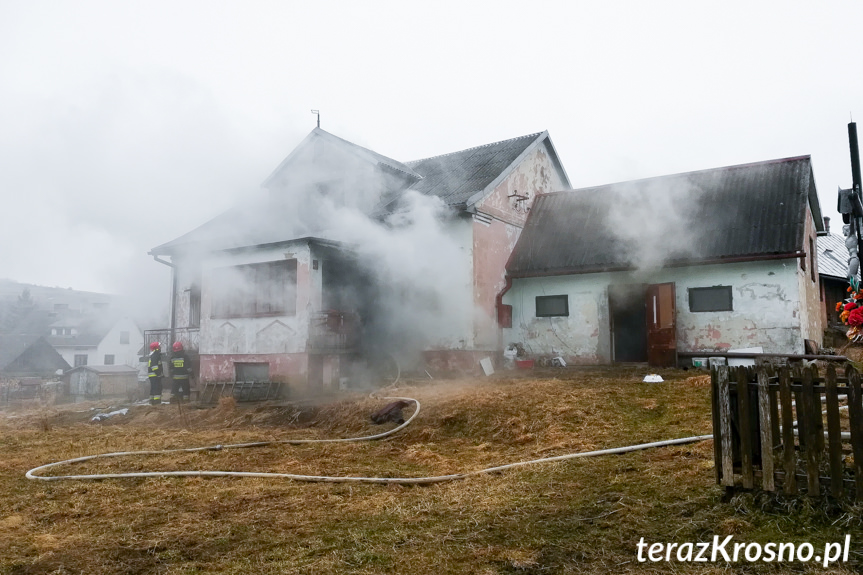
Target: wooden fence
point(769, 429)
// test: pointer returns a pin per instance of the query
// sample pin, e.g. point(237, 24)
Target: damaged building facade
point(692, 263)
point(296, 285)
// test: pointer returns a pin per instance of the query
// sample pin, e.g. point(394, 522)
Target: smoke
point(655, 220)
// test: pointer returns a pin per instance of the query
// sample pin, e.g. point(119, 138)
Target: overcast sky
point(126, 124)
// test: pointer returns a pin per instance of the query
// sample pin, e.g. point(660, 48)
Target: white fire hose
point(32, 474)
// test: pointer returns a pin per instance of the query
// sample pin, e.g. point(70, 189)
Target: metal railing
point(189, 336)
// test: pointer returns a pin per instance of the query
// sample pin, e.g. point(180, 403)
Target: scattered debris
point(653, 378)
point(104, 416)
point(487, 367)
point(390, 412)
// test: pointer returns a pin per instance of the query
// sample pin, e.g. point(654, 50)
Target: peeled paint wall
point(277, 340)
point(493, 243)
point(767, 310)
point(812, 307)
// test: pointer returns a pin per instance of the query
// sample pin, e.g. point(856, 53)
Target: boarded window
point(716, 298)
point(80, 359)
point(124, 338)
point(268, 288)
point(252, 371)
point(109, 359)
point(552, 305)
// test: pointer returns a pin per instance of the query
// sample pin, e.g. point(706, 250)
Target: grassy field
point(577, 516)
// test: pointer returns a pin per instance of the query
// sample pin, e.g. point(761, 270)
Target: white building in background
point(89, 342)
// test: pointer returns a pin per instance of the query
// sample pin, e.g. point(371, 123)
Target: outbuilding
point(662, 269)
point(102, 381)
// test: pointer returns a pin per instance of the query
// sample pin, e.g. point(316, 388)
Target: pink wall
point(291, 368)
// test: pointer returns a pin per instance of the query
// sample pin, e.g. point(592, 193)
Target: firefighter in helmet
point(180, 372)
point(154, 373)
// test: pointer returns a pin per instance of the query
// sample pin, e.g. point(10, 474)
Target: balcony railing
point(333, 331)
point(189, 336)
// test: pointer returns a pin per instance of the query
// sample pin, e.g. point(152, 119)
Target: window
point(255, 290)
point(195, 306)
point(252, 371)
point(80, 359)
point(109, 360)
point(716, 298)
point(552, 305)
point(124, 338)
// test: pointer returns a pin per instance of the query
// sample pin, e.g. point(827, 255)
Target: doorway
point(643, 324)
point(628, 313)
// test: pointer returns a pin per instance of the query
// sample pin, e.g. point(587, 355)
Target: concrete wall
point(493, 242)
point(765, 297)
point(812, 315)
point(278, 340)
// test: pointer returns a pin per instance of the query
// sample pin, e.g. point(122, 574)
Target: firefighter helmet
point(178, 346)
point(155, 345)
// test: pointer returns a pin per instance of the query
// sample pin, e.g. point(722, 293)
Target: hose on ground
point(33, 473)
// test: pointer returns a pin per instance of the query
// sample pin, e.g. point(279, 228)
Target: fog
point(126, 125)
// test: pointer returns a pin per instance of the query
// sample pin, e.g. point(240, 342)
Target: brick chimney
point(827, 225)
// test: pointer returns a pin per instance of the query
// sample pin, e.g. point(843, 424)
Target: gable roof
point(742, 212)
point(459, 178)
point(106, 369)
point(466, 177)
point(363, 153)
point(13, 347)
point(832, 256)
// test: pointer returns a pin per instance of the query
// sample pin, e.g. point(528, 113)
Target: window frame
point(549, 298)
point(696, 290)
point(80, 359)
point(109, 359)
point(262, 281)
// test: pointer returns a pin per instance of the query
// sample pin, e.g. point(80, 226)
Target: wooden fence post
point(834, 432)
point(745, 421)
point(812, 453)
point(788, 453)
point(725, 425)
point(855, 415)
point(766, 429)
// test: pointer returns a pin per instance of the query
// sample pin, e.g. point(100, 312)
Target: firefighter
point(180, 372)
point(154, 373)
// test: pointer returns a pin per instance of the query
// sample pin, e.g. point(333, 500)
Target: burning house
point(692, 263)
point(348, 256)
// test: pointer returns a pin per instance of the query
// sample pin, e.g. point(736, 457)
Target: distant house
point(833, 274)
point(94, 340)
point(28, 356)
point(265, 291)
point(684, 264)
point(102, 381)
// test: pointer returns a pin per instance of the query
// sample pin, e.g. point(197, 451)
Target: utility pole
point(851, 208)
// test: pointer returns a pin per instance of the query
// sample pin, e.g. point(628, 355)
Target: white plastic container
point(717, 361)
point(699, 362)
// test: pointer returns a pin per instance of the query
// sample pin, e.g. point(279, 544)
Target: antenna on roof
point(318, 113)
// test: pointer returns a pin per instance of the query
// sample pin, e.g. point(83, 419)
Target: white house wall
point(765, 296)
point(124, 353)
point(257, 335)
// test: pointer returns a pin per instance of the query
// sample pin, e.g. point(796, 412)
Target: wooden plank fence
point(769, 431)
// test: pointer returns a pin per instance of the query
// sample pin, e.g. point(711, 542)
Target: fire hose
point(33, 473)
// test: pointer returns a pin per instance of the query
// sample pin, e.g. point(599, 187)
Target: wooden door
point(661, 326)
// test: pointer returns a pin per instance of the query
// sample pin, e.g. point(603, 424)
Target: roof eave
point(676, 264)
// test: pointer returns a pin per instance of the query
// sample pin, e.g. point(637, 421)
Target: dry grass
point(583, 515)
